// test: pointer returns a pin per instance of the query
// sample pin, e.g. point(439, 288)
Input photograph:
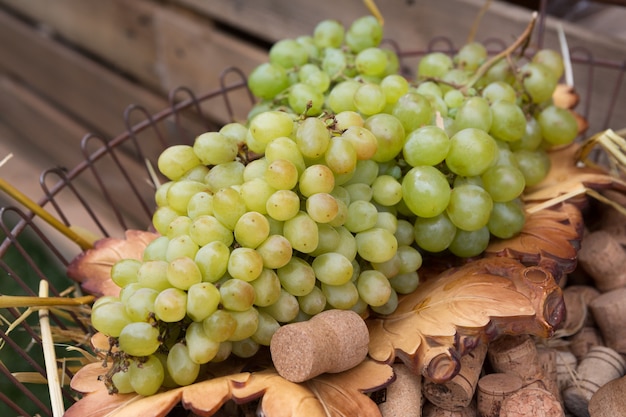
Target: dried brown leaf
point(92, 268)
point(450, 314)
point(329, 395)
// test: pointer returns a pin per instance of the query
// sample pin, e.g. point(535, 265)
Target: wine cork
point(531, 402)
point(332, 341)
point(581, 342)
point(598, 367)
point(492, 390)
point(517, 355)
point(404, 396)
point(609, 310)
point(603, 258)
point(577, 299)
point(431, 410)
point(547, 361)
point(459, 391)
point(611, 219)
point(609, 400)
point(566, 364)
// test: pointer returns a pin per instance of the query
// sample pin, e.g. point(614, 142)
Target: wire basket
point(117, 170)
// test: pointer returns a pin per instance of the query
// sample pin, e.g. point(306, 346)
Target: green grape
point(111, 298)
point(376, 245)
point(365, 173)
point(551, 59)
point(507, 219)
point(235, 131)
point(434, 234)
point(341, 156)
point(123, 296)
point(365, 32)
point(499, 71)
point(251, 229)
point(266, 288)
point(178, 227)
point(316, 179)
point(504, 157)
point(285, 309)
point(270, 125)
point(153, 274)
point(558, 125)
point(305, 99)
point(369, 99)
point(308, 43)
point(508, 121)
point(362, 215)
point(387, 220)
point(228, 207)
point(413, 110)
point(183, 272)
point(297, 277)
point(428, 145)
point(179, 193)
point(434, 65)
point(212, 260)
point(180, 366)
point(347, 243)
point(363, 141)
point(467, 244)
point(318, 79)
point(374, 288)
point(346, 119)
point(255, 169)
point(539, 81)
point(471, 56)
point(140, 304)
point(245, 264)
point(473, 113)
point(181, 246)
point(285, 148)
point(426, 191)
point(202, 300)
point(393, 62)
point(124, 271)
point(247, 323)
point(146, 376)
point(276, 226)
point(265, 330)
point(389, 268)
point(200, 204)
point(405, 283)
point(110, 318)
point(371, 61)
point(390, 306)
point(470, 207)
point(499, 91)
point(288, 54)
point(245, 348)
point(237, 295)
point(429, 88)
point(139, 339)
point(219, 326)
point(276, 250)
point(176, 160)
point(342, 297)
point(535, 165)
point(213, 148)
point(394, 86)
point(223, 352)
point(531, 139)
point(340, 193)
point(410, 259)
point(155, 251)
point(312, 303)
point(471, 152)
point(170, 305)
point(162, 217)
point(328, 239)
point(201, 348)
point(332, 268)
point(503, 182)
point(283, 205)
point(341, 96)
point(334, 62)
point(160, 195)
point(328, 34)
point(255, 194)
point(224, 175)
point(404, 232)
point(121, 381)
point(389, 133)
point(312, 138)
point(453, 98)
point(322, 207)
point(301, 232)
point(267, 80)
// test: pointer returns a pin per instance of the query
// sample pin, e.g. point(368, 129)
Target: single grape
point(503, 182)
point(473, 113)
point(508, 121)
point(153, 274)
point(364, 32)
point(219, 326)
point(176, 160)
point(334, 62)
point(471, 152)
point(342, 297)
point(434, 234)
point(266, 288)
point(467, 244)
point(341, 156)
point(471, 56)
point(124, 271)
point(140, 304)
point(389, 133)
point(341, 96)
point(228, 207)
point(146, 376)
point(237, 295)
point(283, 205)
point(535, 165)
point(180, 192)
point(332, 268)
point(312, 138)
point(428, 145)
point(288, 53)
point(270, 125)
point(251, 229)
point(539, 81)
point(425, 191)
point(413, 110)
point(212, 260)
point(180, 366)
point(531, 139)
point(558, 125)
point(551, 59)
point(214, 148)
point(305, 99)
point(200, 346)
point(200, 204)
point(265, 330)
point(394, 86)
point(285, 309)
point(374, 288)
point(312, 303)
point(362, 215)
point(470, 207)
point(328, 34)
point(405, 283)
point(369, 99)
point(110, 318)
point(371, 61)
point(202, 300)
point(507, 219)
point(245, 348)
point(267, 80)
point(297, 277)
point(245, 264)
point(181, 246)
point(139, 339)
point(277, 250)
point(183, 272)
point(121, 382)
point(171, 305)
point(376, 245)
point(434, 65)
point(499, 90)
point(386, 190)
point(223, 175)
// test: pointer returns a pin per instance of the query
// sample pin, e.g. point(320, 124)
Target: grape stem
point(374, 10)
point(522, 40)
point(476, 23)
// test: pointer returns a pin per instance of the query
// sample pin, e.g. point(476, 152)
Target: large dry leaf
point(450, 314)
point(550, 239)
point(92, 268)
point(330, 395)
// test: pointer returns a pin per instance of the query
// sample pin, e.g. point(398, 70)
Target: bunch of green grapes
point(343, 177)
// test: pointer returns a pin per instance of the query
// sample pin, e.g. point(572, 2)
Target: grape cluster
point(344, 175)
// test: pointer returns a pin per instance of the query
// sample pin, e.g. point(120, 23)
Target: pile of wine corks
point(580, 372)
